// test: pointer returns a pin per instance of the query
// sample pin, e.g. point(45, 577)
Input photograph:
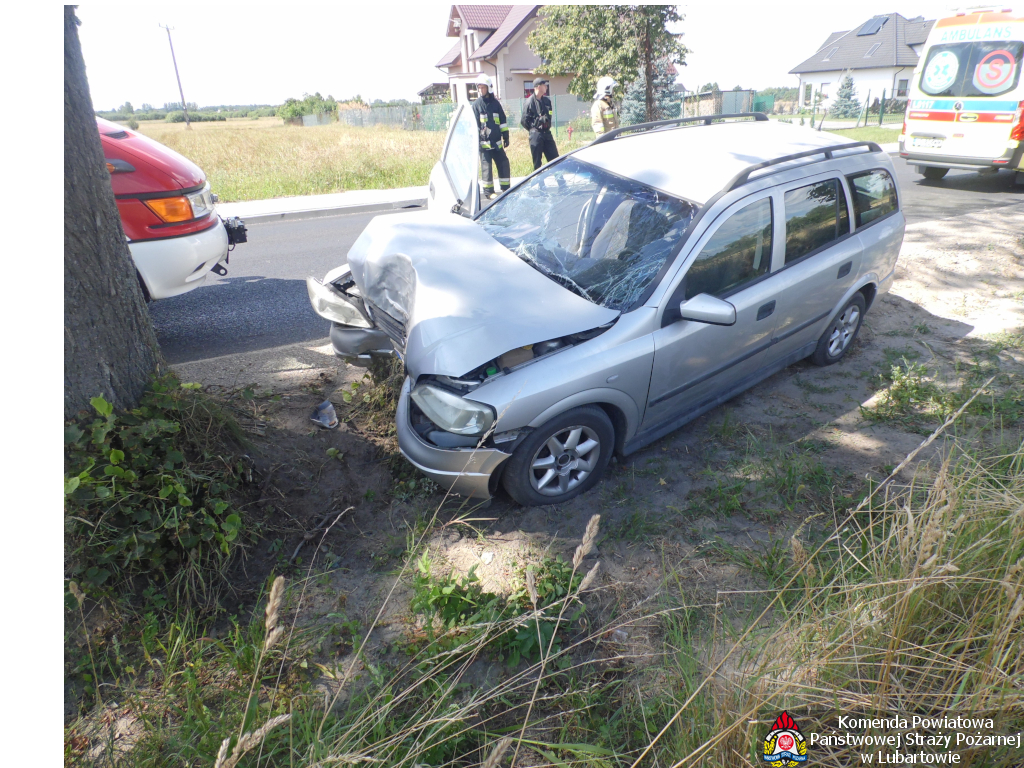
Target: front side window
point(460, 156)
point(599, 235)
point(961, 70)
point(815, 216)
point(740, 251)
point(874, 196)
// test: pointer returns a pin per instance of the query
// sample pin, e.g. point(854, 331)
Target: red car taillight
point(1017, 132)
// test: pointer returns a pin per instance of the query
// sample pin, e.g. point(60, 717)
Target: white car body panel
point(178, 264)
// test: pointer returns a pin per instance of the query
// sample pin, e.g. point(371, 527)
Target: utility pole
point(184, 108)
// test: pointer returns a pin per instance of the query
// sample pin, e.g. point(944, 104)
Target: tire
point(533, 476)
point(837, 339)
point(934, 174)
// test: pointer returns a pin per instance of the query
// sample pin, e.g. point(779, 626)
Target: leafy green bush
point(465, 614)
point(195, 117)
point(148, 492)
point(307, 105)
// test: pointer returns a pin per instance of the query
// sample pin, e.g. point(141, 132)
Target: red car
point(174, 233)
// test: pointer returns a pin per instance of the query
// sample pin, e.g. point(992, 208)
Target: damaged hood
point(462, 297)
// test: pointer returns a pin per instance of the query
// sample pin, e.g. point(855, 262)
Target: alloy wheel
point(843, 330)
point(565, 460)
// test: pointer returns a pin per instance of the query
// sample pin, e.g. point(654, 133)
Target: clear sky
point(235, 53)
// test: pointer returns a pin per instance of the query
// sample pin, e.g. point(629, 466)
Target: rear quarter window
point(874, 196)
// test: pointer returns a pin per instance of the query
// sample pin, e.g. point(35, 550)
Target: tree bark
point(110, 348)
point(648, 55)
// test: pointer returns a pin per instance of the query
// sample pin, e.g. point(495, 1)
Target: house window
point(871, 50)
point(527, 88)
point(823, 91)
point(807, 93)
point(901, 89)
point(831, 53)
point(471, 92)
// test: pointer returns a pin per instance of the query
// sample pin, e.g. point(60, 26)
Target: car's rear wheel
point(934, 174)
point(837, 339)
point(561, 459)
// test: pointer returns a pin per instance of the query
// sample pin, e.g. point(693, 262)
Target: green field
point(258, 159)
point(870, 133)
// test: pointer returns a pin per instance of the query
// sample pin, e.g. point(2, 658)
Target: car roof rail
point(676, 121)
point(743, 176)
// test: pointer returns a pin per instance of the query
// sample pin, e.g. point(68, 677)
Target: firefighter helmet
point(483, 79)
point(604, 87)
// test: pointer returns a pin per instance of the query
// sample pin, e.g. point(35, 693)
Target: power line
point(184, 107)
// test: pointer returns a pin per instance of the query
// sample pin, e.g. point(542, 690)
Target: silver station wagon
point(619, 292)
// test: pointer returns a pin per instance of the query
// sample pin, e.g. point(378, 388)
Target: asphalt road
point(262, 303)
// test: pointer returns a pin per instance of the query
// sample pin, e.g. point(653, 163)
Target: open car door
point(454, 181)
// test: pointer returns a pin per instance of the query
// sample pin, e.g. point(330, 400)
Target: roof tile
point(895, 38)
point(514, 20)
point(451, 58)
point(483, 16)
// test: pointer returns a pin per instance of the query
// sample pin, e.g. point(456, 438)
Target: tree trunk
point(648, 55)
point(110, 348)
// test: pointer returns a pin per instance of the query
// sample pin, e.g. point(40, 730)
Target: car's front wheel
point(562, 458)
point(838, 337)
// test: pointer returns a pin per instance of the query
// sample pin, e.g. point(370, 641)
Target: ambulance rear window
point(960, 70)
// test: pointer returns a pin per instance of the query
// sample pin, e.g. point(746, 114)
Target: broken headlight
point(451, 412)
point(329, 303)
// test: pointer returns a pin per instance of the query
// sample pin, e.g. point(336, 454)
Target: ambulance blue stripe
point(979, 105)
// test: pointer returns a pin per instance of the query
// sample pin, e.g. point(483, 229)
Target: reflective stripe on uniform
point(486, 145)
point(504, 126)
point(503, 181)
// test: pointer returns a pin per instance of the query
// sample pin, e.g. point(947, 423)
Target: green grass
point(873, 133)
point(916, 596)
point(259, 159)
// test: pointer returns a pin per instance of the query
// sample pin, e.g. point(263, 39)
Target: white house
point(880, 55)
point(492, 39)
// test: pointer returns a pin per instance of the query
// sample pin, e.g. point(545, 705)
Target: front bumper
point(175, 265)
point(465, 471)
point(359, 346)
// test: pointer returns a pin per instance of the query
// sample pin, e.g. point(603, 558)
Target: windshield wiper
point(564, 280)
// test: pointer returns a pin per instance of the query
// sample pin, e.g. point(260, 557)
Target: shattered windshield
point(601, 236)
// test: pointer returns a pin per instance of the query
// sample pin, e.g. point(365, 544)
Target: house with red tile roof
point(492, 39)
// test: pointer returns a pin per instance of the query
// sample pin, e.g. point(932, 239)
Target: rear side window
point(740, 251)
point(815, 216)
point(972, 69)
point(874, 196)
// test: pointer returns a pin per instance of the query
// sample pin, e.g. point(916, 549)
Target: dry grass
point(248, 159)
point(914, 607)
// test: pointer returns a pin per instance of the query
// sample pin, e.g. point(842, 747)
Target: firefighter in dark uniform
point(537, 120)
point(493, 137)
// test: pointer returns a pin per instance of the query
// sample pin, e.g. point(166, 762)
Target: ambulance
point(966, 107)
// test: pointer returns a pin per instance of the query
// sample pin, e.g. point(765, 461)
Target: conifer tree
point(846, 104)
point(666, 100)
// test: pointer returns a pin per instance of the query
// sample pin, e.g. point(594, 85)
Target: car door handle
point(765, 309)
point(844, 270)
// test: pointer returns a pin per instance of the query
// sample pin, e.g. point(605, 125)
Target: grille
point(395, 329)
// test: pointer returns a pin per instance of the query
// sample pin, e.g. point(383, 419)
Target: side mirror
point(703, 308)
